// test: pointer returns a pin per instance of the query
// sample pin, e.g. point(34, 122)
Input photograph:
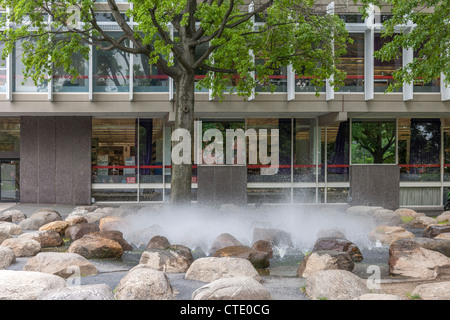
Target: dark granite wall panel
point(29, 161)
point(47, 161)
point(55, 160)
point(219, 185)
point(82, 144)
point(375, 185)
point(64, 160)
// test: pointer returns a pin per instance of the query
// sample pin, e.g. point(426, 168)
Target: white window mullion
point(445, 89)
point(369, 38)
point(329, 88)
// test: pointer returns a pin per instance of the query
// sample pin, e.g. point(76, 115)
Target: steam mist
point(197, 227)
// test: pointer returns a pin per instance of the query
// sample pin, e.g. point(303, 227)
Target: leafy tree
point(424, 27)
point(296, 32)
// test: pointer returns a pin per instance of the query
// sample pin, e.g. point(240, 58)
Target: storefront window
point(150, 150)
point(338, 152)
point(114, 151)
point(373, 141)
point(9, 135)
point(280, 171)
point(419, 149)
point(384, 70)
point(353, 64)
point(304, 150)
point(111, 69)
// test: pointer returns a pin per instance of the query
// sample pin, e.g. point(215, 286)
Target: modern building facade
point(106, 135)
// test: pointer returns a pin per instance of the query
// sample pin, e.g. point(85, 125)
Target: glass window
point(2, 71)
point(446, 130)
point(147, 77)
point(268, 195)
point(9, 134)
point(258, 172)
point(114, 151)
point(278, 80)
point(20, 84)
point(304, 150)
point(304, 84)
point(373, 141)
point(419, 143)
point(150, 150)
point(304, 195)
point(384, 70)
point(111, 69)
point(353, 64)
point(64, 82)
point(431, 86)
point(422, 196)
point(338, 152)
point(199, 73)
point(337, 195)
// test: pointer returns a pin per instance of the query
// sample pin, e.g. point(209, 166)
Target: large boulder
point(173, 259)
point(420, 223)
point(259, 259)
point(11, 228)
point(335, 285)
point(235, 288)
point(386, 217)
point(4, 235)
point(79, 230)
point(46, 239)
point(23, 247)
point(339, 245)
point(144, 283)
point(325, 260)
point(111, 223)
point(223, 240)
point(435, 244)
point(27, 285)
point(40, 218)
point(92, 247)
point(443, 217)
point(15, 215)
point(209, 269)
point(278, 238)
point(94, 216)
point(389, 234)
point(265, 246)
point(364, 211)
point(61, 264)
point(433, 291)
point(407, 258)
point(7, 257)
point(75, 220)
point(86, 292)
point(158, 242)
point(406, 212)
point(443, 236)
point(115, 235)
point(435, 230)
point(58, 226)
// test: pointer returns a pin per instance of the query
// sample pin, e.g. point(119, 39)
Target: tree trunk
point(184, 119)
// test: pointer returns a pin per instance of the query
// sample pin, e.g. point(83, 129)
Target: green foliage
point(429, 37)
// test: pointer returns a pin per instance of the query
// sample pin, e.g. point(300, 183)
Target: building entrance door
point(9, 180)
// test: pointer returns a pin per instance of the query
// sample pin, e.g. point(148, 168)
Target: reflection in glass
point(419, 149)
point(147, 77)
point(111, 69)
point(304, 150)
point(199, 73)
point(278, 80)
point(283, 174)
point(268, 195)
point(150, 150)
point(338, 152)
point(353, 64)
point(9, 135)
point(373, 141)
point(20, 84)
point(64, 82)
point(384, 70)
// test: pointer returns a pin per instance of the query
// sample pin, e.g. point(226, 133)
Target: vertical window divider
point(396, 141)
point(50, 80)
point(171, 86)
point(325, 164)
point(251, 8)
point(292, 158)
point(91, 73)
point(445, 89)
point(9, 68)
point(138, 152)
point(369, 38)
point(329, 89)
point(290, 83)
point(317, 157)
point(131, 71)
point(442, 160)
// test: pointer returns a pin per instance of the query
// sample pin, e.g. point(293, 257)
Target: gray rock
point(86, 292)
point(39, 218)
point(14, 215)
point(223, 240)
point(275, 236)
point(325, 260)
point(62, 264)
point(433, 291)
point(335, 285)
point(171, 260)
point(7, 257)
point(235, 288)
point(144, 283)
point(23, 247)
point(379, 296)
point(11, 228)
point(27, 285)
point(209, 269)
